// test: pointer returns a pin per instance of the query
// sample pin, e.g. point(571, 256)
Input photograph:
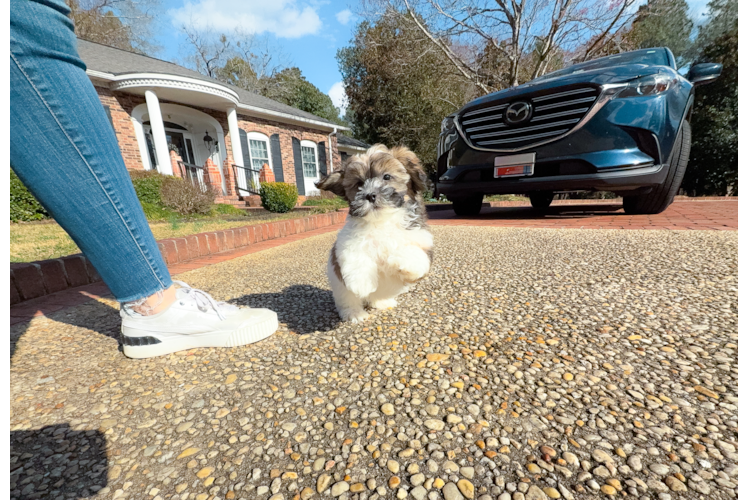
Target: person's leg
point(64, 150)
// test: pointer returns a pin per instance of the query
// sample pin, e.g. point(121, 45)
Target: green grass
point(336, 203)
point(505, 197)
point(39, 241)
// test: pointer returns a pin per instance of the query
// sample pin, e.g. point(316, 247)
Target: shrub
point(23, 205)
point(147, 184)
point(226, 209)
point(185, 197)
point(278, 197)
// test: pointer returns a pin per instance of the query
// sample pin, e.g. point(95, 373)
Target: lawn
point(34, 241)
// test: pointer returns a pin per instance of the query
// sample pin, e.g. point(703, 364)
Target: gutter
point(289, 117)
point(255, 111)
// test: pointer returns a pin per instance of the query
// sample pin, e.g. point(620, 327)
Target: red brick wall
point(121, 105)
point(286, 132)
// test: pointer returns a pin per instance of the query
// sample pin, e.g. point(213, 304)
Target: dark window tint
point(650, 57)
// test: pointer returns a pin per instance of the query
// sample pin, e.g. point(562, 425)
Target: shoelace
point(202, 299)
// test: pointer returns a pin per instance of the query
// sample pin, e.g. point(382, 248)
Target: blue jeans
point(63, 148)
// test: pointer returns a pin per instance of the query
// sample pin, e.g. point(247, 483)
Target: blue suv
point(619, 123)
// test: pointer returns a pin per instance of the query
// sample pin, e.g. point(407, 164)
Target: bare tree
point(240, 58)
point(125, 24)
point(207, 51)
point(522, 32)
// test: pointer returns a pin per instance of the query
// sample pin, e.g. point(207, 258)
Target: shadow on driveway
point(554, 212)
point(304, 308)
point(57, 462)
point(92, 315)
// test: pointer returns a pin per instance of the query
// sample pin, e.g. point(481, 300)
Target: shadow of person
point(304, 308)
point(57, 462)
point(92, 315)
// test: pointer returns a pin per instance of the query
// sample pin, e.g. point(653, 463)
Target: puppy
point(385, 245)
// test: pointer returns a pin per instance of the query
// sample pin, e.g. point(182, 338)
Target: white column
point(159, 135)
point(236, 145)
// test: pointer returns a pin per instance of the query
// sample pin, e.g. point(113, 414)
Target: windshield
point(649, 57)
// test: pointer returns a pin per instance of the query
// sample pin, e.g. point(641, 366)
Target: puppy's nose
point(372, 197)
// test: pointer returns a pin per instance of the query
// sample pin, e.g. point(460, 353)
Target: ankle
point(155, 303)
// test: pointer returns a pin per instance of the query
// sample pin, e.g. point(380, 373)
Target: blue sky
point(309, 31)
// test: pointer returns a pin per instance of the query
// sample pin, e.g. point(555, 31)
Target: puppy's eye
point(386, 177)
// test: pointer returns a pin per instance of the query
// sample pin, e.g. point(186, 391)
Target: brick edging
point(30, 280)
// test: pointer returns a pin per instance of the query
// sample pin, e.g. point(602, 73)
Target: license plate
point(514, 166)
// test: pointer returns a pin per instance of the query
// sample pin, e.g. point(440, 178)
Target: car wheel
point(468, 206)
point(662, 196)
point(541, 201)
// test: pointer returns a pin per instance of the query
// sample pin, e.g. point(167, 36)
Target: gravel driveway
point(530, 364)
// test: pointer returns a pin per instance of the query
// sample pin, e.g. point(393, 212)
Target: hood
point(596, 76)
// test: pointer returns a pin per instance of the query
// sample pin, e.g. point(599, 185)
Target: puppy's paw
point(414, 271)
point(384, 303)
point(412, 264)
point(353, 315)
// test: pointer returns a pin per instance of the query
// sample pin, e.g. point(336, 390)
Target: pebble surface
point(530, 364)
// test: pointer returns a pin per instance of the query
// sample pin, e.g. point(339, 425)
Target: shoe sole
point(168, 345)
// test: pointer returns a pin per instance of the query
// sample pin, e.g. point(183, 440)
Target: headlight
point(648, 85)
point(448, 123)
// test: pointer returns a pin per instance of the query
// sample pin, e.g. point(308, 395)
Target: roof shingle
point(115, 61)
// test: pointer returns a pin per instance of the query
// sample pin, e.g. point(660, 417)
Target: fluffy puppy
point(385, 245)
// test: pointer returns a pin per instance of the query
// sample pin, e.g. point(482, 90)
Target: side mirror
point(700, 74)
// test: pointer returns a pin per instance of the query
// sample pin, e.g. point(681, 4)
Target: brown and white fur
point(385, 245)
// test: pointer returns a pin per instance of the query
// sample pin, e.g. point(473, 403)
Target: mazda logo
point(517, 113)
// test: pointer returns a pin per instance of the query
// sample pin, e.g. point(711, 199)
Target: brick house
point(180, 122)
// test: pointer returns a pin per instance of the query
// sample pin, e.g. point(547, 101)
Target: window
point(309, 160)
point(258, 150)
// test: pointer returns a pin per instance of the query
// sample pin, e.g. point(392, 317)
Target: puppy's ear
point(413, 165)
point(332, 183)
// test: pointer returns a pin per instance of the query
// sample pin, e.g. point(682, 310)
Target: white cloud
point(339, 99)
point(282, 18)
point(344, 16)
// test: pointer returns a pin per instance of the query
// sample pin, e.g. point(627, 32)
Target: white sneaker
point(195, 319)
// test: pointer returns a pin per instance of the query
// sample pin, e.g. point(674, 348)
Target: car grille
point(553, 115)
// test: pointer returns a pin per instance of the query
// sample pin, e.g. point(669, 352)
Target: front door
point(184, 146)
point(182, 143)
point(311, 168)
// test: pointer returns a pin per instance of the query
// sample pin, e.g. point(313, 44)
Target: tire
point(662, 196)
point(468, 206)
point(541, 200)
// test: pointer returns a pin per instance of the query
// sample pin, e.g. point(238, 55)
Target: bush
point(147, 184)
point(23, 205)
point(185, 197)
point(226, 209)
point(278, 197)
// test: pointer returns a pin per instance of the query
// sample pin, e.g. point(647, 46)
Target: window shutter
point(109, 115)
point(322, 157)
point(298, 166)
point(245, 148)
point(275, 152)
